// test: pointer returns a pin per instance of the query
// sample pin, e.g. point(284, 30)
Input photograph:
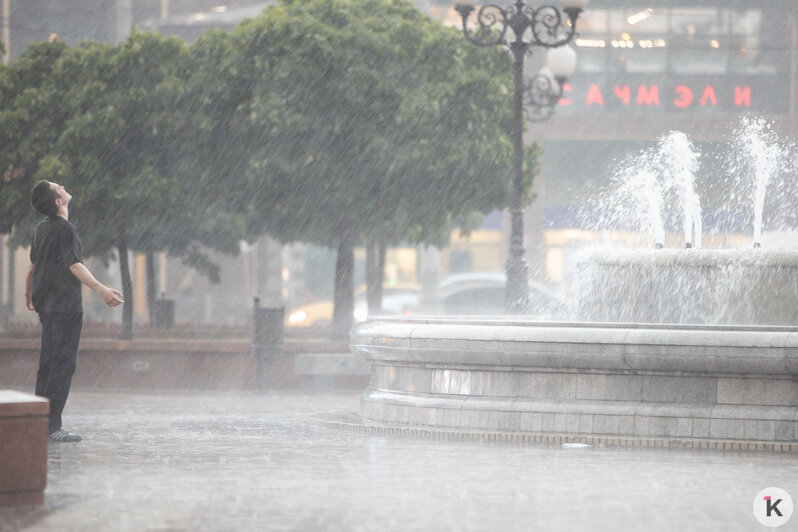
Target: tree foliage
point(329, 122)
point(365, 120)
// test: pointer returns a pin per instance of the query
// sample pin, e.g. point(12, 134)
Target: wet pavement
point(241, 461)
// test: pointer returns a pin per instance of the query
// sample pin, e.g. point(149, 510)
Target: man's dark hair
point(43, 198)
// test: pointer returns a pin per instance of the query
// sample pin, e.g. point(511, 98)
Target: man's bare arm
point(28, 286)
point(111, 296)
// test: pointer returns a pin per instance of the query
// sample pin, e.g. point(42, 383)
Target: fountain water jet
point(764, 157)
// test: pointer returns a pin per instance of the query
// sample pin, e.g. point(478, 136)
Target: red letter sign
point(685, 96)
point(594, 95)
point(623, 92)
point(647, 96)
point(709, 94)
point(742, 96)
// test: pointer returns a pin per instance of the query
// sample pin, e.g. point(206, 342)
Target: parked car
point(396, 300)
point(484, 294)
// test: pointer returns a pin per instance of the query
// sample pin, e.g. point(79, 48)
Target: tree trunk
point(12, 276)
point(375, 273)
point(343, 296)
point(152, 283)
point(127, 288)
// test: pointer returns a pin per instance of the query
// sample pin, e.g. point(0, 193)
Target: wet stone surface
point(235, 461)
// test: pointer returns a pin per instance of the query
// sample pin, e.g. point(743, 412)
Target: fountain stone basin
point(633, 382)
point(689, 286)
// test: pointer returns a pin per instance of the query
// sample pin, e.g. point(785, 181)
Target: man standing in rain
point(52, 289)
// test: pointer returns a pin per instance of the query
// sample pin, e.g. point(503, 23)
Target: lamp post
point(548, 28)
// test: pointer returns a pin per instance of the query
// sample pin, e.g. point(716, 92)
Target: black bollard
point(267, 337)
point(163, 313)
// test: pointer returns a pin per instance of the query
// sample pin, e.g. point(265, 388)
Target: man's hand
point(111, 296)
point(29, 302)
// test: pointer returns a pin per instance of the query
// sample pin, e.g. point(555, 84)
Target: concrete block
point(537, 421)
point(642, 425)
point(701, 390)
point(774, 413)
point(756, 429)
point(735, 429)
point(465, 418)
point(662, 426)
point(501, 383)
point(757, 392)
point(586, 423)
point(785, 431)
point(405, 413)
point(684, 427)
point(452, 418)
point(606, 424)
point(626, 425)
point(525, 422)
point(431, 417)
point(701, 428)
point(504, 421)
point(572, 423)
point(608, 387)
point(547, 422)
point(560, 422)
point(717, 428)
point(493, 420)
point(480, 419)
point(554, 386)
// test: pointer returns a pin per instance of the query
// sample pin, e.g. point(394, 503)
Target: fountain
point(669, 347)
point(700, 286)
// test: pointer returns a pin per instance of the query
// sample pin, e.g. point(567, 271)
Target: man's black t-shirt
point(54, 249)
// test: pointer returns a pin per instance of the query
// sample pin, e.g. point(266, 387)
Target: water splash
point(641, 186)
point(647, 183)
point(763, 156)
point(679, 163)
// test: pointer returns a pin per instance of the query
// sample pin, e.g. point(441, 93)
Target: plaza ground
point(248, 461)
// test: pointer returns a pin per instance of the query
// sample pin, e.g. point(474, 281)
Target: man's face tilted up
point(62, 196)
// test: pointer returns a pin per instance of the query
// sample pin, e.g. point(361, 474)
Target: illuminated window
point(683, 40)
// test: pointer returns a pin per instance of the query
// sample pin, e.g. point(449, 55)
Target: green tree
point(119, 136)
point(29, 126)
point(375, 123)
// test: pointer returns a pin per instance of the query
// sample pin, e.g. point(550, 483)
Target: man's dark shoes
point(62, 436)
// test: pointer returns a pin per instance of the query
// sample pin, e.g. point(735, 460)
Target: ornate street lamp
point(547, 27)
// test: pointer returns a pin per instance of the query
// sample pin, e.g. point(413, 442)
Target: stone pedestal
point(678, 385)
point(23, 448)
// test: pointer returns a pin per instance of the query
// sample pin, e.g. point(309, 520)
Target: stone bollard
point(267, 337)
point(23, 448)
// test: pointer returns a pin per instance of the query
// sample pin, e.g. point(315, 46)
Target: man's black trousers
point(60, 339)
